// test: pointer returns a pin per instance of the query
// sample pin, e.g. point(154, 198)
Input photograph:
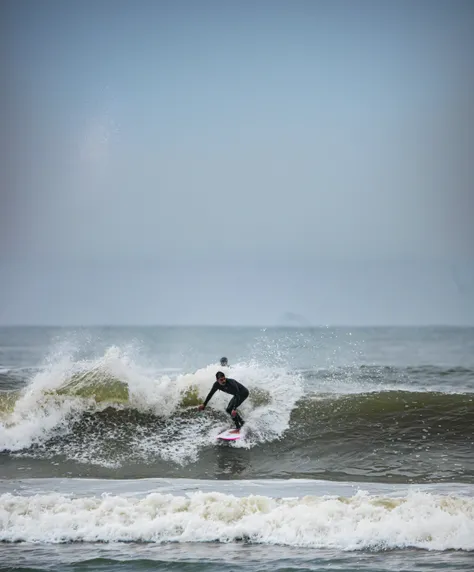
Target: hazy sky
point(227, 162)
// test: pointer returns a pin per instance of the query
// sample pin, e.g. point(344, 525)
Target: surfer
point(228, 385)
point(224, 362)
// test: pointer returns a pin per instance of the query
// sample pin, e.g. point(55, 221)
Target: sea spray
point(77, 408)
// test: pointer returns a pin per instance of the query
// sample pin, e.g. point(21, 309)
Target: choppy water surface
point(357, 442)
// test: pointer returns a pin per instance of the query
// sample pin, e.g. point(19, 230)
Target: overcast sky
point(228, 162)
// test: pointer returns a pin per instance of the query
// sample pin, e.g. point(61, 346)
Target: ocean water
point(357, 452)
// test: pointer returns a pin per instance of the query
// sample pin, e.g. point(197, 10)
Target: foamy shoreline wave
point(415, 519)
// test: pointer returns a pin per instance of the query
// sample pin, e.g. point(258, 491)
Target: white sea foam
point(363, 521)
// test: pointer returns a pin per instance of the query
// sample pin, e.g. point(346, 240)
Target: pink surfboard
point(229, 435)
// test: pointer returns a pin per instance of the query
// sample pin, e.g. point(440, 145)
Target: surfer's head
point(220, 377)
point(224, 362)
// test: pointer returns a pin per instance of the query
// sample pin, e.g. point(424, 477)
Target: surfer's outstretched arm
point(214, 388)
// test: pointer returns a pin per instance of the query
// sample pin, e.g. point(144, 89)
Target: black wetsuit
point(236, 389)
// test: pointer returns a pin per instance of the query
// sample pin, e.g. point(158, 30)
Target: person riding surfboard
point(228, 385)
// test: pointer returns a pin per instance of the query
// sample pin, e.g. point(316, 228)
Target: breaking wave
point(418, 519)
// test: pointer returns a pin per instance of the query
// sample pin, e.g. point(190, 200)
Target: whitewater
point(357, 443)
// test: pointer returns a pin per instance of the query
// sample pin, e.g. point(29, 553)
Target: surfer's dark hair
point(219, 375)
